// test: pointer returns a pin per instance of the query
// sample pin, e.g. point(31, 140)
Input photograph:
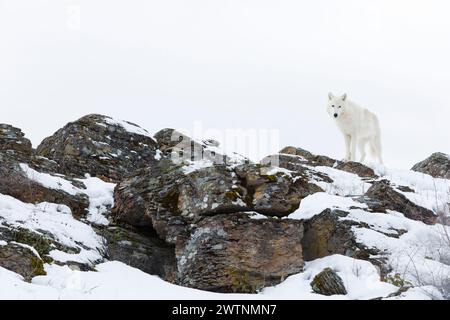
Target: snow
point(100, 193)
point(318, 202)
point(431, 193)
point(127, 126)
point(101, 199)
point(344, 183)
point(193, 166)
point(115, 280)
point(49, 181)
point(56, 220)
point(158, 155)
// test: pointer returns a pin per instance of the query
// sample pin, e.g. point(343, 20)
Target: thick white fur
point(358, 125)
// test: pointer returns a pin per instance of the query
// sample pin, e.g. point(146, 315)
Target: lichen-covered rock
point(318, 160)
point(180, 147)
point(328, 283)
point(437, 165)
point(13, 141)
point(21, 260)
point(167, 198)
point(273, 192)
point(381, 197)
point(330, 233)
point(16, 183)
point(325, 234)
point(141, 250)
point(100, 146)
point(234, 253)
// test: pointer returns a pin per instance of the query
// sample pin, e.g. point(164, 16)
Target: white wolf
point(358, 125)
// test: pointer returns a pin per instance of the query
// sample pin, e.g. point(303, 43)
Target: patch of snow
point(431, 193)
point(193, 166)
point(101, 199)
point(256, 216)
point(49, 181)
point(127, 126)
point(3, 243)
point(344, 183)
point(55, 220)
point(318, 202)
point(158, 155)
point(28, 247)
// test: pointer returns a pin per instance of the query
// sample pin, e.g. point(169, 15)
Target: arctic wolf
point(358, 125)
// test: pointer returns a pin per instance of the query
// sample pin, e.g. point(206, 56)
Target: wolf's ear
point(344, 97)
point(330, 95)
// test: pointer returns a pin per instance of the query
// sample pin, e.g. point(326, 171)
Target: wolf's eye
point(332, 106)
point(339, 107)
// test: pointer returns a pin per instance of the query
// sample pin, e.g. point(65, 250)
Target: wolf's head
point(336, 105)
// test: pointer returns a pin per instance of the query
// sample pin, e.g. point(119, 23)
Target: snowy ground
point(416, 255)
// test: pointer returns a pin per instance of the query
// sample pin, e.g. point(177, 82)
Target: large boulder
point(100, 146)
point(234, 253)
point(437, 165)
point(381, 196)
point(167, 197)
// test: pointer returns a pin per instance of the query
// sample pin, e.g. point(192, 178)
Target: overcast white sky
point(231, 64)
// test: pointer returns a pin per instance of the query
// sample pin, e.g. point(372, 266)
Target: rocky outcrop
point(21, 260)
point(180, 147)
point(167, 198)
point(217, 257)
point(381, 197)
point(328, 283)
point(13, 141)
point(99, 146)
point(307, 157)
point(437, 165)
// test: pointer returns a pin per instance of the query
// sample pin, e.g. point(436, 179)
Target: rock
point(272, 192)
point(100, 146)
point(141, 250)
point(217, 257)
point(13, 141)
point(317, 160)
point(381, 197)
point(356, 168)
point(328, 283)
point(312, 159)
point(180, 147)
point(437, 165)
point(15, 183)
point(166, 198)
point(21, 260)
point(326, 234)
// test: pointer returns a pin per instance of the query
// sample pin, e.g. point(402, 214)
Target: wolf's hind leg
point(362, 149)
point(375, 148)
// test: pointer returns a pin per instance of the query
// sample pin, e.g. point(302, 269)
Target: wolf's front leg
point(353, 141)
point(347, 138)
